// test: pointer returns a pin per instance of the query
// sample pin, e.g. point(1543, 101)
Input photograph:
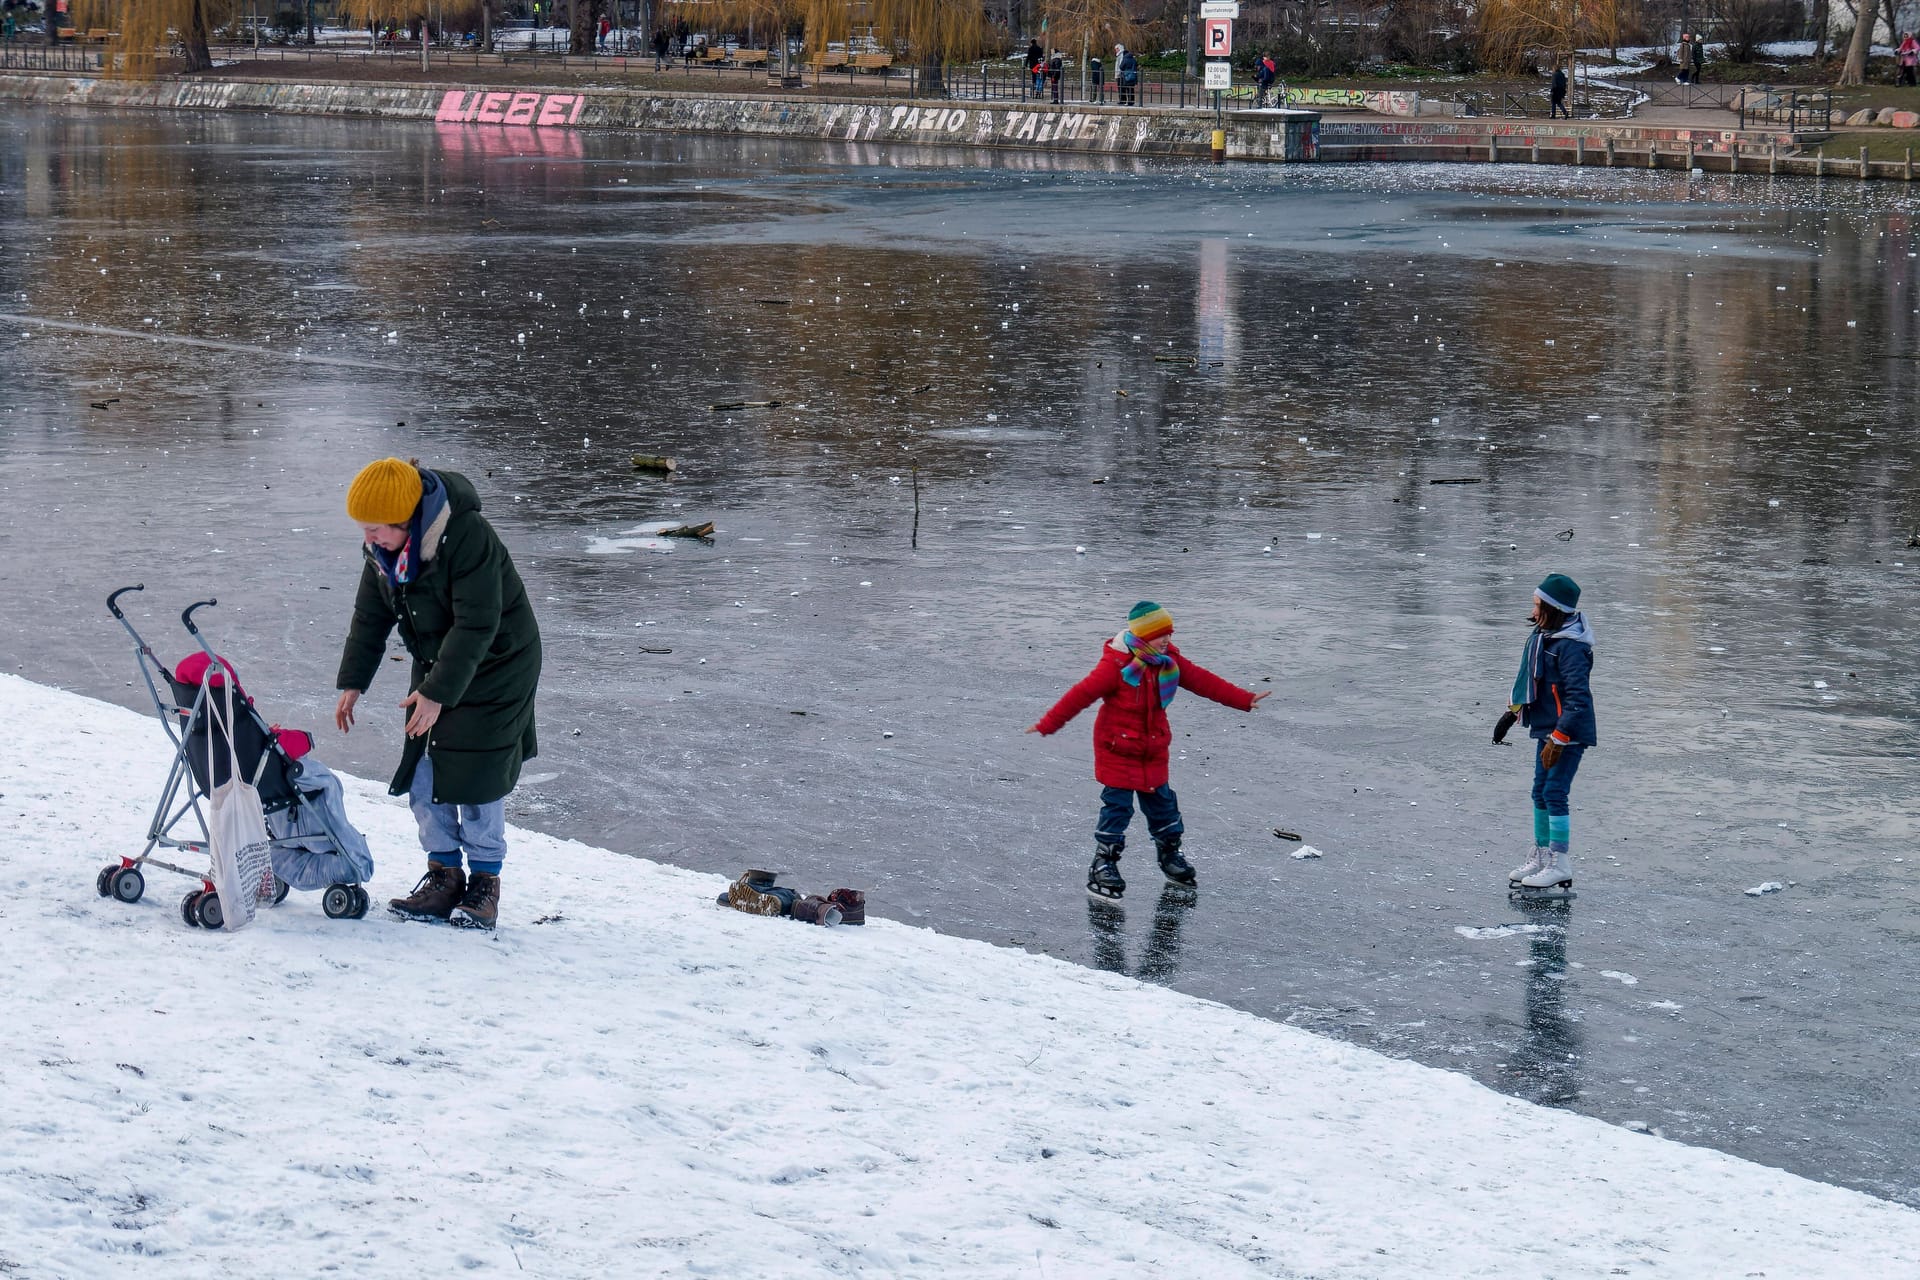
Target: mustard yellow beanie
point(385, 492)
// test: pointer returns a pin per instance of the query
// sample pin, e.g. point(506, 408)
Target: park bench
point(827, 60)
point(872, 61)
point(750, 57)
point(710, 53)
point(98, 35)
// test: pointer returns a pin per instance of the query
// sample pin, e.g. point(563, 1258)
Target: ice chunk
point(1762, 890)
point(1307, 851)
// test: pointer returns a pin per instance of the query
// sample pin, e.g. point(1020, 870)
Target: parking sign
point(1219, 37)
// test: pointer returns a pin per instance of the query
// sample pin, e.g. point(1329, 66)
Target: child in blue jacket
point(1551, 698)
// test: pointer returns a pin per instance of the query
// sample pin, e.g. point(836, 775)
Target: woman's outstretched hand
point(343, 709)
point(425, 713)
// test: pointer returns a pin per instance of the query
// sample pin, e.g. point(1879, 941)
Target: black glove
point(1506, 721)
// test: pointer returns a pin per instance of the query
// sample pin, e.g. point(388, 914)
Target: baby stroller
point(312, 846)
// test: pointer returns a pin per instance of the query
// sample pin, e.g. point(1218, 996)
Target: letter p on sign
point(1219, 37)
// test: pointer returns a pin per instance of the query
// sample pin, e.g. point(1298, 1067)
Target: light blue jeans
point(446, 830)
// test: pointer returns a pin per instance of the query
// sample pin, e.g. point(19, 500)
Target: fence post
point(1534, 156)
point(1733, 157)
point(1580, 151)
point(1773, 157)
point(1689, 155)
point(1819, 162)
point(1493, 150)
point(1863, 164)
point(1909, 171)
point(1609, 141)
point(1653, 154)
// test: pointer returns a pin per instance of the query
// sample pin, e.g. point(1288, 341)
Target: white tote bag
point(236, 827)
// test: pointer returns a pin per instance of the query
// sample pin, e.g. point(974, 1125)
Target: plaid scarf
point(400, 566)
point(1166, 670)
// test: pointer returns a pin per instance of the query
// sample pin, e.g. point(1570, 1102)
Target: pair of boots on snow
point(756, 894)
point(449, 893)
point(1103, 877)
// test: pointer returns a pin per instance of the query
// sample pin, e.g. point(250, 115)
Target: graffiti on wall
point(535, 109)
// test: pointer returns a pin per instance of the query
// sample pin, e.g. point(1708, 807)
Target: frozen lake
point(1230, 390)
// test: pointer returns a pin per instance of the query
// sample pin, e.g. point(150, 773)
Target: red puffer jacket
point(1131, 734)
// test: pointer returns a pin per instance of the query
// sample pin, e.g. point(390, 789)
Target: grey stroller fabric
point(315, 860)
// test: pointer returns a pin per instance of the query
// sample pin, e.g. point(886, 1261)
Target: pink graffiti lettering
point(521, 110)
point(458, 107)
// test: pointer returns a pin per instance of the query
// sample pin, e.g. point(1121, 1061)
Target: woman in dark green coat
point(436, 570)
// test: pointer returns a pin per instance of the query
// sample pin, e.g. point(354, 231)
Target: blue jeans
point(1550, 786)
point(448, 829)
point(1161, 807)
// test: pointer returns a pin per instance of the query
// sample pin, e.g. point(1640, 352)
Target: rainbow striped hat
point(1149, 621)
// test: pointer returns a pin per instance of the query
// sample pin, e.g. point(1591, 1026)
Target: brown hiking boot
point(481, 905)
point(435, 896)
point(852, 904)
point(756, 894)
point(816, 910)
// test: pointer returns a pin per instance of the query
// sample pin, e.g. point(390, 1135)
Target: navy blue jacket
point(1562, 702)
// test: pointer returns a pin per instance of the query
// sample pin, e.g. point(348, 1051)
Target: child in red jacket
point(1139, 672)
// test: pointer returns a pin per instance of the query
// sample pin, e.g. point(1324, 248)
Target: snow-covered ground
point(628, 1081)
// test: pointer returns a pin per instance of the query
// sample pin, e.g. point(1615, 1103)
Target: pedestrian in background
point(1056, 66)
point(1684, 60)
point(1699, 57)
point(1558, 105)
point(660, 44)
point(1127, 75)
point(1097, 73)
point(1909, 58)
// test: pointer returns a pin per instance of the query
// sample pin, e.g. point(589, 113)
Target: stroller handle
point(186, 614)
point(113, 601)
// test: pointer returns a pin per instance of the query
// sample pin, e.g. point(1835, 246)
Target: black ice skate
point(1103, 877)
point(1173, 866)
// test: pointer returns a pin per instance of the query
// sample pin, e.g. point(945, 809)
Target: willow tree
point(931, 32)
point(1512, 31)
point(142, 28)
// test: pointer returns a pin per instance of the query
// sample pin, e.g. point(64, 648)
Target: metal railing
point(998, 82)
point(1795, 110)
point(25, 54)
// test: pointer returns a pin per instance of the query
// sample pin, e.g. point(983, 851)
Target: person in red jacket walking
point(1139, 672)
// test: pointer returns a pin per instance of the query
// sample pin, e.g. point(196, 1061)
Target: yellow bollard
point(1219, 146)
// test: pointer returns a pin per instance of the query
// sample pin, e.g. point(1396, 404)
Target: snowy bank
point(628, 1081)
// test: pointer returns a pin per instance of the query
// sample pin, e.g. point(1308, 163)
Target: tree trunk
point(580, 28)
point(194, 40)
point(1822, 15)
point(486, 26)
point(1855, 70)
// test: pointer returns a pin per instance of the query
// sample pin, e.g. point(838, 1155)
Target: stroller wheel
point(190, 907)
point(208, 909)
point(127, 884)
point(100, 881)
point(360, 892)
point(280, 890)
point(340, 902)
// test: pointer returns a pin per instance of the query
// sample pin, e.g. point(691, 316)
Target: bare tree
point(1855, 70)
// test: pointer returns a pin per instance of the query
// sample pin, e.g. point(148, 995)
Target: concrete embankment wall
point(1595, 143)
point(1251, 135)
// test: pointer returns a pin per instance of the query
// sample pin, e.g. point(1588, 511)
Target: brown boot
point(435, 896)
point(816, 910)
point(852, 904)
point(480, 906)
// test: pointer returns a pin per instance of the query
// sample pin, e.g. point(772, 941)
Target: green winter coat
point(466, 620)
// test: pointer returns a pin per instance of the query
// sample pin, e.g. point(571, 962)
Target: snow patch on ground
point(630, 1081)
point(1307, 851)
point(1624, 979)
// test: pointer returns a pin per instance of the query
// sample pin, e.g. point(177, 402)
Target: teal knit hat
point(1560, 591)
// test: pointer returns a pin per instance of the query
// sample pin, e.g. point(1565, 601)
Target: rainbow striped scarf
point(1166, 670)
